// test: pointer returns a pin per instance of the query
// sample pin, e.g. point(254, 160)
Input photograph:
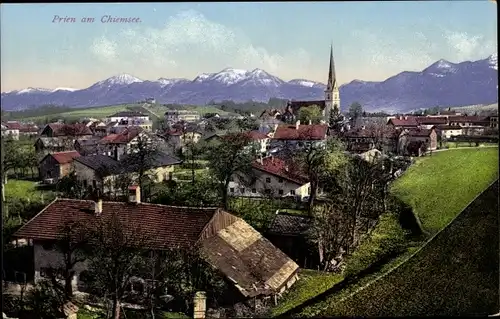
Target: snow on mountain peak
point(302, 82)
point(64, 89)
point(122, 79)
point(441, 68)
point(32, 90)
point(230, 76)
point(165, 81)
point(202, 77)
point(443, 64)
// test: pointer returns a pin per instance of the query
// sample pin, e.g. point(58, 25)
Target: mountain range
point(443, 84)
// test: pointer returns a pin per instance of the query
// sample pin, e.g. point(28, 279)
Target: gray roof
point(289, 224)
point(99, 162)
point(158, 160)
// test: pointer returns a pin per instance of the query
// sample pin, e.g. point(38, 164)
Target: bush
point(187, 165)
point(45, 300)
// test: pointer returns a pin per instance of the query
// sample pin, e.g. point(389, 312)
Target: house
point(126, 119)
point(30, 130)
point(300, 135)
point(87, 146)
point(403, 122)
point(178, 137)
point(175, 116)
point(288, 232)
point(118, 144)
point(259, 141)
point(99, 128)
point(427, 137)
point(46, 145)
point(428, 122)
point(57, 165)
point(103, 171)
point(66, 130)
point(271, 176)
point(447, 131)
point(11, 130)
point(250, 262)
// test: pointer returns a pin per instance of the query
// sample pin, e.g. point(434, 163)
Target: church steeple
point(332, 80)
point(332, 94)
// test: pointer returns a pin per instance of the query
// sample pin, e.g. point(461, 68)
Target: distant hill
point(442, 84)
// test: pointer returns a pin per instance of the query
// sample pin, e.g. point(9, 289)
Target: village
point(209, 216)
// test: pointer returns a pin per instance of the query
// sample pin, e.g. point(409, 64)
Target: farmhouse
point(249, 261)
point(116, 145)
point(271, 176)
point(447, 131)
point(103, 171)
point(300, 135)
point(57, 165)
point(126, 119)
point(422, 137)
point(46, 145)
point(175, 116)
point(66, 130)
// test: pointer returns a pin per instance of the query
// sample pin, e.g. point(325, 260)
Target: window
point(280, 192)
point(231, 189)
point(48, 246)
point(292, 192)
point(85, 183)
point(242, 190)
point(254, 190)
point(268, 179)
point(94, 183)
point(267, 191)
point(280, 180)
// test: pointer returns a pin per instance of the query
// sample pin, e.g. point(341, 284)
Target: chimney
point(297, 124)
point(200, 305)
point(98, 207)
point(134, 194)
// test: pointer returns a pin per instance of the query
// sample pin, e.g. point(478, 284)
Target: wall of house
point(14, 134)
point(49, 168)
point(277, 187)
point(85, 174)
point(51, 258)
point(162, 173)
point(450, 133)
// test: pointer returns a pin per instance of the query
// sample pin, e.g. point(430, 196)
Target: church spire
point(331, 72)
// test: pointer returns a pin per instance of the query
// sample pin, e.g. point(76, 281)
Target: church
point(331, 102)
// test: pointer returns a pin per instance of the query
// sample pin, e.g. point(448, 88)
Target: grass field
point(21, 189)
point(438, 187)
point(455, 274)
point(104, 111)
point(427, 186)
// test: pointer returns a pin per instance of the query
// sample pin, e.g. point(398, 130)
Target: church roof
point(332, 78)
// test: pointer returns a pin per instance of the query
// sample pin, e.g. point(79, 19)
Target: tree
point(70, 187)
point(116, 256)
point(311, 113)
point(141, 157)
point(71, 243)
point(355, 110)
point(232, 156)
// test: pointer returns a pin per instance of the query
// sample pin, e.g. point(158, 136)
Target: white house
point(174, 116)
point(271, 176)
point(11, 129)
point(448, 131)
point(128, 118)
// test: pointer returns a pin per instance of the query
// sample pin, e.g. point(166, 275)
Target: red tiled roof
point(431, 120)
point(65, 157)
point(410, 121)
point(121, 138)
point(13, 125)
point(304, 132)
point(29, 128)
point(468, 119)
point(59, 129)
point(280, 168)
point(256, 135)
point(419, 132)
point(168, 226)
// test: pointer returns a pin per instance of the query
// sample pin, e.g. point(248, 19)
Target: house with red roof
point(271, 177)
point(55, 166)
point(253, 266)
point(300, 134)
point(420, 136)
point(118, 144)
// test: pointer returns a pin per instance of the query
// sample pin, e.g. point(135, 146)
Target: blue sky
point(371, 40)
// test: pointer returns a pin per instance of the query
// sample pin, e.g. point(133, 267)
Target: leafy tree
point(70, 187)
point(45, 300)
point(311, 113)
point(232, 156)
point(355, 110)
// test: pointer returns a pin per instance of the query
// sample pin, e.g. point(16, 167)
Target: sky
point(371, 40)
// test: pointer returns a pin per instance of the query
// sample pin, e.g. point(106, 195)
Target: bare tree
point(71, 243)
point(116, 256)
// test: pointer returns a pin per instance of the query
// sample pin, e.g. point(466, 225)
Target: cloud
point(465, 46)
point(190, 41)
